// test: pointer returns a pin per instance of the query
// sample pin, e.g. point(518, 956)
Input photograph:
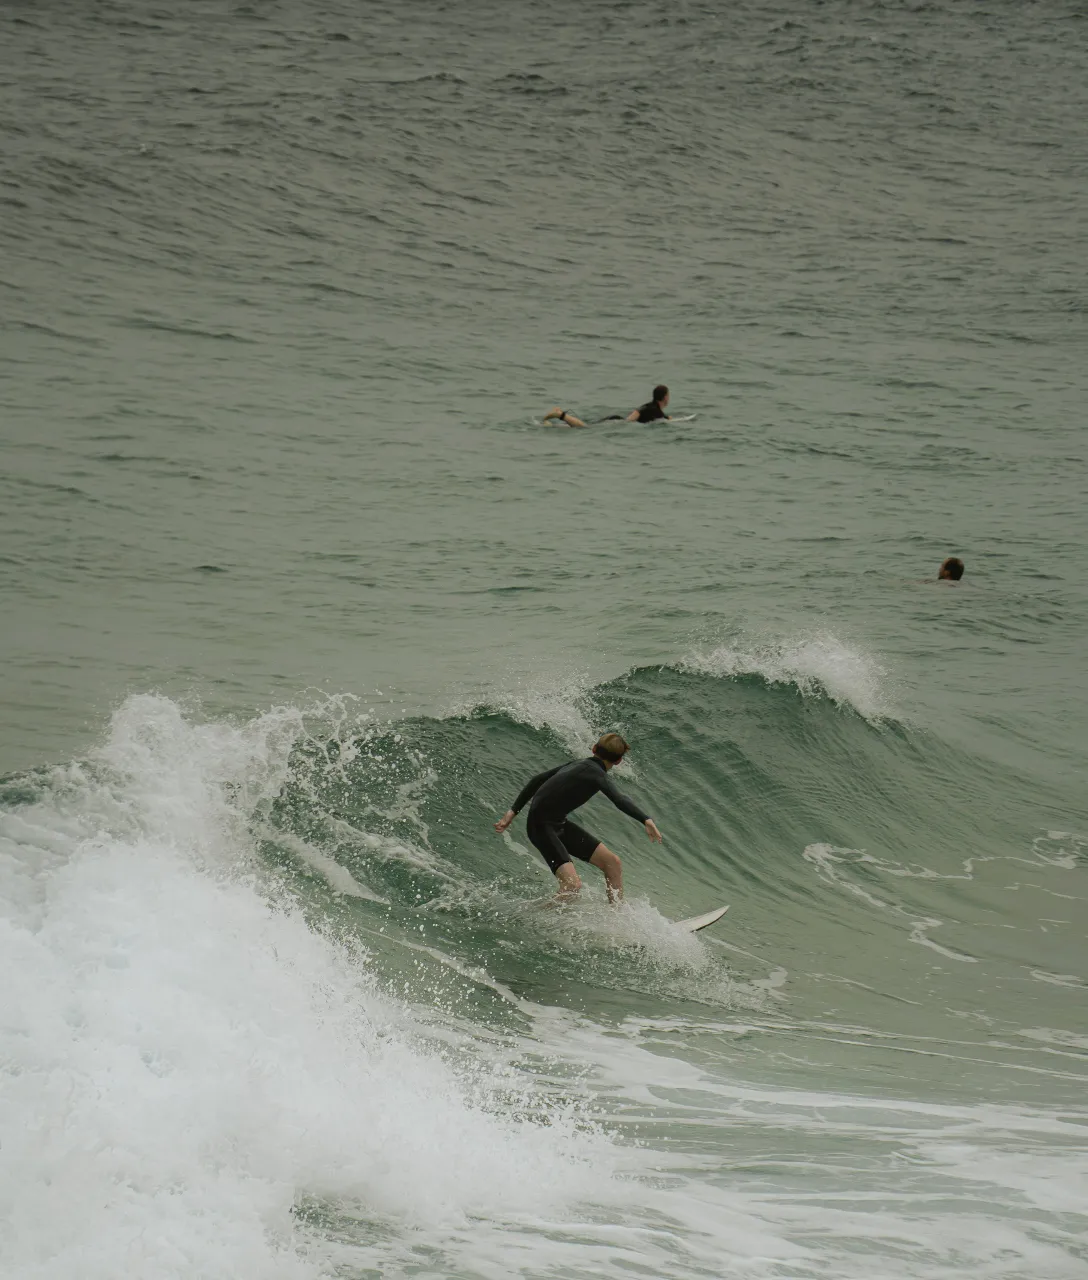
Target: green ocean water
point(299, 588)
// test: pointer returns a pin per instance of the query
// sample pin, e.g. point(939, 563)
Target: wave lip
point(818, 664)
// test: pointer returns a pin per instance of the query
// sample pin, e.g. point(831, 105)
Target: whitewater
point(298, 589)
point(237, 1062)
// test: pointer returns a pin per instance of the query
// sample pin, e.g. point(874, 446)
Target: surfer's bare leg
point(570, 883)
point(610, 864)
point(568, 419)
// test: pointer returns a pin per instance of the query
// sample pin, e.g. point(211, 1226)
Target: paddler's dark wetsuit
point(651, 411)
point(554, 794)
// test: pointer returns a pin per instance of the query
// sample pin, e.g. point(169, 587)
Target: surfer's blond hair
point(611, 747)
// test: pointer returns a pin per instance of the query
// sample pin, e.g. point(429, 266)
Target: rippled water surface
point(298, 589)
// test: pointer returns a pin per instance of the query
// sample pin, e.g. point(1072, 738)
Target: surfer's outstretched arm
point(626, 805)
point(524, 796)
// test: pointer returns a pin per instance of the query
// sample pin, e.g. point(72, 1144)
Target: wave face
point(285, 1005)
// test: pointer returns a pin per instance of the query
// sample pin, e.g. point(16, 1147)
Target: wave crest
point(815, 665)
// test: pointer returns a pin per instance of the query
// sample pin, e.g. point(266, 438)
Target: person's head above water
point(951, 570)
point(661, 394)
point(610, 748)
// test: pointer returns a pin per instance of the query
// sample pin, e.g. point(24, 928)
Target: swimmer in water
point(951, 570)
point(652, 411)
point(554, 794)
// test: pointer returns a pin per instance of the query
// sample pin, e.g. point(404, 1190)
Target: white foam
point(559, 708)
point(338, 878)
point(1058, 979)
point(634, 924)
point(874, 1186)
point(827, 859)
point(1065, 849)
point(556, 703)
point(814, 664)
point(188, 1065)
point(1055, 1036)
point(186, 1058)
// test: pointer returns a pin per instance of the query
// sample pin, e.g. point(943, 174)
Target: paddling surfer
point(554, 794)
point(652, 411)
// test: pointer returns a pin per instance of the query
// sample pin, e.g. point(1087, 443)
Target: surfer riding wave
point(554, 794)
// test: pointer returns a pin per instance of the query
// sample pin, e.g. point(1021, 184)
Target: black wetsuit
point(651, 411)
point(554, 794)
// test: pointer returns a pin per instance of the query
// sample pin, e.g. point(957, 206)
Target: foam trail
point(338, 878)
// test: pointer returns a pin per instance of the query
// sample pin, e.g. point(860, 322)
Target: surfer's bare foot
point(568, 419)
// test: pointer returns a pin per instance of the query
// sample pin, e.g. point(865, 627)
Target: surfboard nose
point(700, 922)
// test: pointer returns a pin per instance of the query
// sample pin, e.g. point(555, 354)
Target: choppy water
point(297, 590)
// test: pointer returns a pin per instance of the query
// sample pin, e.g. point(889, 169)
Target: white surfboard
point(700, 922)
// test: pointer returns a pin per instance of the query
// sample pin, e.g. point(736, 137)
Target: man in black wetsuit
point(652, 411)
point(554, 794)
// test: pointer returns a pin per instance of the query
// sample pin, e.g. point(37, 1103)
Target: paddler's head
point(610, 749)
point(951, 570)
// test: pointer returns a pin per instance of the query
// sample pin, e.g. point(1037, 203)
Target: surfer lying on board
point(554, 794)
point(651, 411)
